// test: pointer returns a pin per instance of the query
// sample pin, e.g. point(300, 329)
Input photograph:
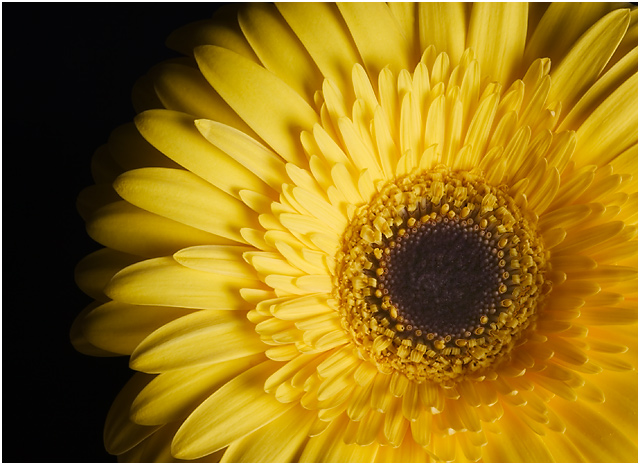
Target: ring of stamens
point(438, 276)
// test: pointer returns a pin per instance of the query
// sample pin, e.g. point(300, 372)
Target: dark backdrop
point(68, 70)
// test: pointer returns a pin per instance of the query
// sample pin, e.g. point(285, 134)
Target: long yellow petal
point(127, 228)
point(95, 270)
point(221, 259)
point(268, 105)
point(223, 30)
point(171, 394)
point(322, 31)
point(183, 88)
point(611, 128)
point(119, 327)
point(376, 33)
point(204, 337)
point(247, 151)
point(276, 442)
point(497, 33)
point(120, 433)
point(561, 26)
point(443, 25)
point(176, 135)
point(236, 409)
point(588, 440)
point(130, 150)
point(184, 197)
point(163, 281)
point(587, 58)
point(604, 87)
point(279, 49)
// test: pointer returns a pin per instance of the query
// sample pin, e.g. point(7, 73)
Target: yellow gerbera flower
point(372, 232)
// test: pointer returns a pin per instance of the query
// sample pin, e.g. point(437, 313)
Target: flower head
point(372, 232)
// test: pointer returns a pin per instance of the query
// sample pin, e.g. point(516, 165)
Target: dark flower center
point(439, 275)
point(442, 277)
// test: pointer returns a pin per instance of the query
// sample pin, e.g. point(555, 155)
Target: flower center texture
point(439, 275)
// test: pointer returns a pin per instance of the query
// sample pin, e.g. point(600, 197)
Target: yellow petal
point(183, 89)
point(184, 197)
point(94, 197)
point(587, 58)
point(170, 395)
point(268, 105)
point(130, 150)
point(279, 49)
point(278, 442)
point(603, 87)
point(80, 342)
point(497, 34)
point(163, 281)
point(322, 31)
point(236, 409)
point(377, 35)
point(127, 228)
point(222, 30)
point(589, 441)
point(561, 26)
point(321, 209)
point(515, 443)
point(95, 271)
point(207, 336)
point(120, 433)
point(119, 327)
point(360, 153)
point(443, 25)
point(221, 259)
point(611, 128)
point(175, 135)
point(247, 151)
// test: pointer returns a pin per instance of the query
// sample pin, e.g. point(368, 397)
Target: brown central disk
point(439, 276)
point(442, 278)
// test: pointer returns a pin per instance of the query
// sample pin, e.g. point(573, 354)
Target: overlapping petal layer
point(223, 222)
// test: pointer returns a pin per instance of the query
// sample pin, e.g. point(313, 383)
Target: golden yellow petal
point(223, 30)
point(183, 89)
point(561, 26)
point(163, 281)
point(184, 197)
point(497, 33)
point(268, 105)
point(278, 48)
point(176, 135)
point(322, 31)
point(443, 25)
point(131, 230)
point(376, 35)
point(250, 153)
point(236, 409)
point(173, 346)
point(119, 328)
point(515, 443)
point(612, 127)
point(221, 259)
point(131, 151)
point(171, 395)
point(276, 442)
point(93, 198)
point(602, 88)
point(588, 440)
point(80, 342)
point(120, 433)
point(583, 63)
point(95, 271)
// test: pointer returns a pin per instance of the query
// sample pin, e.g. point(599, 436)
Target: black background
point(68, 70)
